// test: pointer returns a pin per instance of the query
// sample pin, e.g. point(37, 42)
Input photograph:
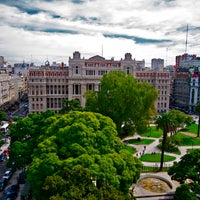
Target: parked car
point(7, 175)
point(2, 157)
point(3, 183)
point(11, 192)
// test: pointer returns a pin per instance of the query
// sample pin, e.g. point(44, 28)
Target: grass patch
point(174, 150)
point(191, 129)
point(138, 141)
point(156, 158)
point(153, 132)
point(154, 169)
point(191, 150)
point(186, 140)
point(132, 150)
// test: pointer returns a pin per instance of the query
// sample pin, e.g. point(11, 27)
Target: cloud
point(147, 29)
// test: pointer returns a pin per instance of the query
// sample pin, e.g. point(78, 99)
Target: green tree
point(71, 105)
point(183, 192)
point(197, 109)
point(180, 120)
point(25, 136)
point(78, 150)
point(172, 143)
point(127, 102)
point(2, 115)
point(187, 171)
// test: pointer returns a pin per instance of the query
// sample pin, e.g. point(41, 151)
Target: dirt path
point(189, 134)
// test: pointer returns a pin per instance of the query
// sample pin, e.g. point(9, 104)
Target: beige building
point(161, 80)
point(50, 85)
point(6, 90)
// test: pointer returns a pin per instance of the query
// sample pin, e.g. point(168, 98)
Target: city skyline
point(34, 31)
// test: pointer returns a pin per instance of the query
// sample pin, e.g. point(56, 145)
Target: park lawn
point(191, 129)
point(191, 150)
point(154, 168)
point(156, 158)
point(153, 132)
point(132, 150)
point(187, 140)
point(139, 141)
point(174, 150)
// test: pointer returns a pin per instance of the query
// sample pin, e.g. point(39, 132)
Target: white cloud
point(24, 35)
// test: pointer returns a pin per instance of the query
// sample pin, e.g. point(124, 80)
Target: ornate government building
point(49, 85)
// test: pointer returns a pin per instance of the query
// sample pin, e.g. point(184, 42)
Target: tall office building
point(157, 64)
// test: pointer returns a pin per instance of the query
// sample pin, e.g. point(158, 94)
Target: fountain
point(152, 185)
point(155, 184)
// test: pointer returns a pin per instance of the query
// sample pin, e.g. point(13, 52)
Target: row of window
point(56, 80)
point(102, 65)
point(51, 103)
point(89, 86)
point(100, 72)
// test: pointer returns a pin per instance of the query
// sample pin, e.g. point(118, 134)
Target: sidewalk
point(148, 149)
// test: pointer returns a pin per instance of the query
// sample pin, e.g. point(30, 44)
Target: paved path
point(153, 148)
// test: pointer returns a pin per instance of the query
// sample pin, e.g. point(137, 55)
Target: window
point(76, 71)
point(76, 89)
point(90, 86)
point(114, 65)
point(101, 72)
point(128, 70)
point(90, 72)
point(90, 65)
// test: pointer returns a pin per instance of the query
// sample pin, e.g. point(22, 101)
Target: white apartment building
point(6, 89)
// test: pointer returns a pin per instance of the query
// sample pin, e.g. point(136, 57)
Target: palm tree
point(164, 122)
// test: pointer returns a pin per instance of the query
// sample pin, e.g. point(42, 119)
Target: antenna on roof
point(186, 41)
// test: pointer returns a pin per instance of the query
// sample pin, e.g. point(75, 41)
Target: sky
point(40, 30)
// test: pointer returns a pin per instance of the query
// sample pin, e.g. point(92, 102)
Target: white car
point(7, 175)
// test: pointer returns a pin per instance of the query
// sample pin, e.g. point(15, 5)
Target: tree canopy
point(2, 115)
point(25, 135)
point(75, 156)
point(71, 105)
point(127, 102)
point(187, 172)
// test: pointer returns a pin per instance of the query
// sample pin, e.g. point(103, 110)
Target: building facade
point(50, 85)
point(186, 82)
point(161, 81)
point(157, 64)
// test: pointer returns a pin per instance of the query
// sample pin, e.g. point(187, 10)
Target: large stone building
point(50, 85)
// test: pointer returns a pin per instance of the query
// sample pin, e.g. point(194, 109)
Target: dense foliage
point(127, 102)
point(73, 156)
point(187, 173)
point(2, 115)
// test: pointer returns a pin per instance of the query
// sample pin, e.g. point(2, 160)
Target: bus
point(4, 128)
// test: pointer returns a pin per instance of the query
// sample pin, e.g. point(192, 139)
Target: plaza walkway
point(152, 148)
